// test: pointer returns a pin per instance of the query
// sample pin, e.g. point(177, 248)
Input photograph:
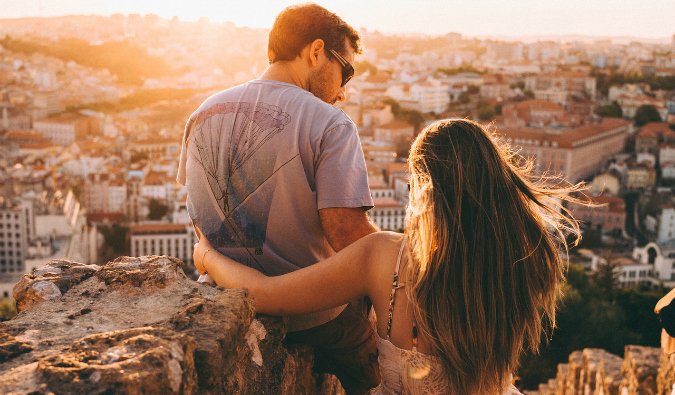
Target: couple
point(277, 184)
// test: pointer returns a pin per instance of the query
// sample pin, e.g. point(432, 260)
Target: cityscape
point(94, 109)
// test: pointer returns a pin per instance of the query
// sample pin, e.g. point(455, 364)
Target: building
point(534, 113)
point(661, 258)
point(631, 273)
point(561, 86)
point(380, 190)
point(651, 135)
point(137, 204)
point(394, 132)
point(608, 183)
point(573, 154)
point(176, 240)
point(646, 141)
point(640, 176)
point(16, 225)
point(378, 151)
point(65, 226)
point(666, 224)
point(387, 214)
point(155, 147)
point(668, 170)
point(495, 86)
point(430, 96)
point(631, 103)
point(64, 130)
point(105, 193)
point(608, 214)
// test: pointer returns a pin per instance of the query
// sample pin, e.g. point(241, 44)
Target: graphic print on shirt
point(230, 142)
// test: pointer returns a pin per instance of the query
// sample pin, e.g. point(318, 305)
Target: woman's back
point(407, 363)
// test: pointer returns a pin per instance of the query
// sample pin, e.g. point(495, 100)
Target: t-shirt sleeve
point(341, 174)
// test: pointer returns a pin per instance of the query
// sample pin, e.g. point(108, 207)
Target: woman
point(458, 296)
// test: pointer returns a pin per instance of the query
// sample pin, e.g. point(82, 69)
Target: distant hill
point(130, 63)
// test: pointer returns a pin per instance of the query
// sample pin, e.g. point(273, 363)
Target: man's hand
point(345, 225)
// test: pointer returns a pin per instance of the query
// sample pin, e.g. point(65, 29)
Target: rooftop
point(158, 229)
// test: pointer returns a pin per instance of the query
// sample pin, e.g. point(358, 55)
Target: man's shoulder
point(272, 94)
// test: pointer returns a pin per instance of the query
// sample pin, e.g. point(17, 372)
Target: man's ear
point(316, 51)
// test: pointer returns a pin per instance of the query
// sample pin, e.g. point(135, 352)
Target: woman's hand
point(199, 253)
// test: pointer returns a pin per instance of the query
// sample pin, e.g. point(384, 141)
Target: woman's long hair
point(484, 236)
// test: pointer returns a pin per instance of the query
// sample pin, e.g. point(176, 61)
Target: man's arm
point(345, 225)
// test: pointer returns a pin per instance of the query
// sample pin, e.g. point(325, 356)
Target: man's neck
point(286, 72)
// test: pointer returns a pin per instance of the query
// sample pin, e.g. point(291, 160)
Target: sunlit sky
point(649, 19)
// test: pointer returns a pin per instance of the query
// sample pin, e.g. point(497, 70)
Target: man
point(276, 177)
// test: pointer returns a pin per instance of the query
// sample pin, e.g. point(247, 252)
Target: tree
point(464, 98)
point(646, 114)
point(403, 145)
point(7, 310)
point(157, 209)
point(395, 106)
point(610, 110)
point(363, 66)
point(413, 117)
point(486, 113)
point(591, 239)
point(116, 242)
point(606, 277)
point(586, 317)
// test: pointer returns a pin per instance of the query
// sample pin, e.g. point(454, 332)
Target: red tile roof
point(386, 203)
point(157, 229)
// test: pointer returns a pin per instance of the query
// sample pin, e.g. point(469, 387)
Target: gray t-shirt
point(259, 160)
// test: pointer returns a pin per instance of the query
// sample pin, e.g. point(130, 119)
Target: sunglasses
point(347, 68)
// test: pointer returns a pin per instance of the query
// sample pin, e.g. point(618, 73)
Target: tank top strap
point(394, 287)
point(414, 334)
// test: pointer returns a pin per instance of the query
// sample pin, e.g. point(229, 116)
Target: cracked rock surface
point(140, 326)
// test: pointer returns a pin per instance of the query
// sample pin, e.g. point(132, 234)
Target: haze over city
point(95, 96)
point(653, 19)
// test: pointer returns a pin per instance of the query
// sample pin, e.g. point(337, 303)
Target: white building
point(378, 151)
point(666, 227)
point(666, 153)
point(68, 227)
point(631, 273)
point(381, 191)
point(388, 214)
point(16, 221)
point(662, 258)
point(668, 170)
point(431, 96)
point(176, 240)
point(62, 130)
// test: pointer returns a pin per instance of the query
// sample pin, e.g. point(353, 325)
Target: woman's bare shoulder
point(382, 240)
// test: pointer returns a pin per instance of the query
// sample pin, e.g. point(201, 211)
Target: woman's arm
point(340, 279)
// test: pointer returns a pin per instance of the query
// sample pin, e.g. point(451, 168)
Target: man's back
point(260, 160)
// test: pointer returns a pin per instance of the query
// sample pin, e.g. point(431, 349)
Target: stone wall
point(592, 371)
point(140, 326)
